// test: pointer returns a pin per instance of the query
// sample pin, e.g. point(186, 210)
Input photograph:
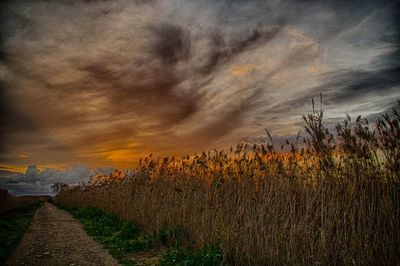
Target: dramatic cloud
point(35, 181)
point(105, 82)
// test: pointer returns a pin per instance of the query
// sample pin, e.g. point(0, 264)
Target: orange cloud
point(123, 156)
point(21, 156)
point(12, 168)
point(243, 70)
point(314, 69)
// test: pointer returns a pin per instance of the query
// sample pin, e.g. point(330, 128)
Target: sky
point(86, 84)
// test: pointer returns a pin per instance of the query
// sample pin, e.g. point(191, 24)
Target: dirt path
point(56, 238)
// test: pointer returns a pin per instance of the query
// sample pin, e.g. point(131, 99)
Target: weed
point(129, 230)
point(208, 256)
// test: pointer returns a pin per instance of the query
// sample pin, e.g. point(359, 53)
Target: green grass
point(117, 236)
point(13, 226)
point(207, 256)
point(122, 238)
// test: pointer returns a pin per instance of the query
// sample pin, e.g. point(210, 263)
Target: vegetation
point(123, 238)
point(207, 256)
point(332, 199)
point(9, 203)
point(13, 226)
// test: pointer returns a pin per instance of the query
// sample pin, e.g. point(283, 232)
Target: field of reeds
point(331, 198)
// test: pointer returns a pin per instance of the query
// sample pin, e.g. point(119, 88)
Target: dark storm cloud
point(148, 89)
point(383, 76)
point(230, 120)
point(11, 119)
point(345, 87)
point(22, 140)
point(172, 43)
point(222, 51)
point(380, 77)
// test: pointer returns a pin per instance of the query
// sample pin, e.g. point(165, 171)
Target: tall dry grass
point(335, 199)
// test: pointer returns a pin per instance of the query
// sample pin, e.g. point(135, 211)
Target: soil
point(56, 238)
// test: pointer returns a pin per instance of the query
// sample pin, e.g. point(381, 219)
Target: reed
point(334, 199)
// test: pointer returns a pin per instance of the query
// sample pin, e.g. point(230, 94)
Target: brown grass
point(334, 201)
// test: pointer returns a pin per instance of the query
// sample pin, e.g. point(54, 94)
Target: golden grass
point(334, 201)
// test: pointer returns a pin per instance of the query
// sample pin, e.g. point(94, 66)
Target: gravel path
point(56, 238)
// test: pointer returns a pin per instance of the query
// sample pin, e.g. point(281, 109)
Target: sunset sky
point(102, 83)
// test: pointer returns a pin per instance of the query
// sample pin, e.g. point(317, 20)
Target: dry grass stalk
point(335, 201)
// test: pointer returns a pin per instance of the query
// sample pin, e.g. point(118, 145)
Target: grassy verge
point(13, 226)
point(123, 239)
point(178, 256)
